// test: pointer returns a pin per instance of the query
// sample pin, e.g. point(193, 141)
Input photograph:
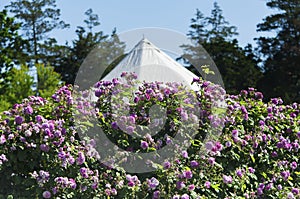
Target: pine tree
point(11, 46)
point(198, 27)
point(92, 20)
point(218, 26)
point(97, 48)
point(38, 18)
point(281, 52)
point(214, 44)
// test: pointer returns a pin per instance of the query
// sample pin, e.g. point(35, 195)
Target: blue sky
point(171, 14)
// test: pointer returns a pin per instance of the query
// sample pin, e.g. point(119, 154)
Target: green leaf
point(264, 174)
point(244, 187)
point(151, 149)
point(196, 143)
point(187, 168)
point(215, 187)
point(252, 158)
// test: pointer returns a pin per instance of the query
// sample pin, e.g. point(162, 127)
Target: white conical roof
point(151, 64)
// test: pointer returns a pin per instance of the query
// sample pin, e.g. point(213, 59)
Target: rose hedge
point(255, 156)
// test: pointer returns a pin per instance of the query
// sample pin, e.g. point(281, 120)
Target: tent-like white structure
point(151, 64)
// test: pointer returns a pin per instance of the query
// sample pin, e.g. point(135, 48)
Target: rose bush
point(43, 153)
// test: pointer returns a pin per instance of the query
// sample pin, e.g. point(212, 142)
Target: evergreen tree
point(215, 37)
point(38, 18)
point(218, 26)
point(92, 20)
point(97, 46)
point(11, 46)
point(52, 53)
point(198, 27)
point(281, 52)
